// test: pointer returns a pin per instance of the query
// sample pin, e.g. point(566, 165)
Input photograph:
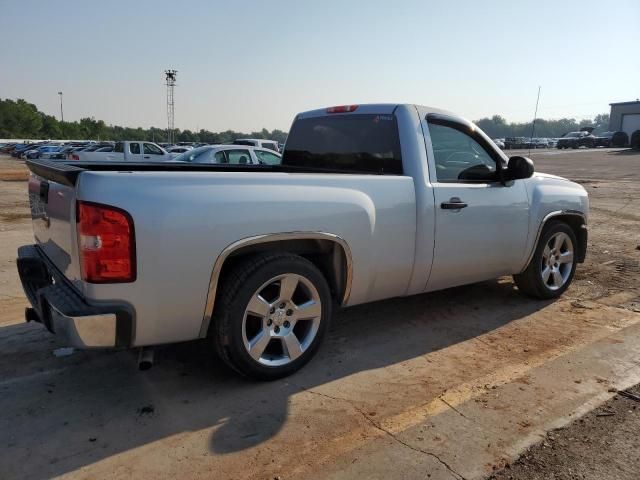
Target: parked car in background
point(124, 152)
point(177, 150)
point(612, 139)
point(23, 147)
point(540, 143)
point(8, 147)
point(576, 140)
point(49, 151)
point(258, 142)
point(552, 142)
point(499, 142)
point(40, 152)
point(231, 155)
point(363, 207)
point(512, 143)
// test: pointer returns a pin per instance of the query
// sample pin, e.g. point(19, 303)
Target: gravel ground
point(604, 444)
point(449, 384)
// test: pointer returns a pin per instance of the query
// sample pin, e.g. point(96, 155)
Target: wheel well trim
point(547, 217)
point(268, 238)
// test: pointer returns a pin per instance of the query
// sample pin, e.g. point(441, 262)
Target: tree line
point(21, 119)
point(498, 127)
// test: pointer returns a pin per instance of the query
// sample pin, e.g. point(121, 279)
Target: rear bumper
point(65, 312)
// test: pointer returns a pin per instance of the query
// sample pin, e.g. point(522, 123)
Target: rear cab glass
point(350, 143)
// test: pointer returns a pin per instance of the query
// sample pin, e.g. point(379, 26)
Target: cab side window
point(459, 157)
point(151, 149)
point(134, 148)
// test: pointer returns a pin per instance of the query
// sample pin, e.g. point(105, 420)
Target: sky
point(248, 65)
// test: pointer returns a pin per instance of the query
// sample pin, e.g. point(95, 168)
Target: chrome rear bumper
point(65, 312)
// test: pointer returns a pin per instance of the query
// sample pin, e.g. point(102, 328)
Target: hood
point(548, 179)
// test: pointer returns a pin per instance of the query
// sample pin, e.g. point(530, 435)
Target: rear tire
point(271, 315)
point(553, 265)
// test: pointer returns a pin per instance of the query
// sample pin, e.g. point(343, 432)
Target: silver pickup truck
point(370, 202)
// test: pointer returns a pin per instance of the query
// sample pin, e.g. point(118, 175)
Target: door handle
point(146, 156)
point(454, 203)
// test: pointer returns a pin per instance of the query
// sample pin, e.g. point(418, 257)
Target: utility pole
point(535, 116)
point(170, 76)
point(61, 111)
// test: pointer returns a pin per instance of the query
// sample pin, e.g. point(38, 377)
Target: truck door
point(152, 153)
point(135, 152)
point(481, 224)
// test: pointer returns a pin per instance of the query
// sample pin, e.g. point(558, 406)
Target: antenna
point(170, 76)
point(533, 125)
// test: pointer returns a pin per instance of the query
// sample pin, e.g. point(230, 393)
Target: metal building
point(625, 117)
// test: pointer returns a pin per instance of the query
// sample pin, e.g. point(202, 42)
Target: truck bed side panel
point(183, 220)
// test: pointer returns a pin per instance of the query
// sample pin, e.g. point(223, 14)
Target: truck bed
point(66, 172)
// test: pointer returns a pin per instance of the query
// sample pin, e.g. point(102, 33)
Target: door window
point(239, 157)
point(268, 157)
point(151, 149)
point(459, 157)
point(134, 148)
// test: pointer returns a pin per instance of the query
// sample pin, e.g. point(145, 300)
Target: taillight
point(106, 243)
point(73, 156)
point(342, 109)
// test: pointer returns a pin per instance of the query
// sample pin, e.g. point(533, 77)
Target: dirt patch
point(601, 445)
point(12, 170)
point(14, 176)
point(13, 217)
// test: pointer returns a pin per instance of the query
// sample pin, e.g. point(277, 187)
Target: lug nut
point(269, 322)
point(277, 329)
point(282, 305)
point(289, 312)
point(272, 310)
point(286, 324)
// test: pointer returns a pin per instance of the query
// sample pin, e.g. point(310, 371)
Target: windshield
point(573, 134)
point(197, 155)
point(358, 143)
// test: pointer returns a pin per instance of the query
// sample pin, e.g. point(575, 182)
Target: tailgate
point(53, 218)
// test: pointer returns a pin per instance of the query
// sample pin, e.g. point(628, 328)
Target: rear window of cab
point(353, 143)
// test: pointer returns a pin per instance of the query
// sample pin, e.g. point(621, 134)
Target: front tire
point(552, 266)
point(271, 315)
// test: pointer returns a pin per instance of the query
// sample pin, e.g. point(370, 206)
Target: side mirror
point(519, 167)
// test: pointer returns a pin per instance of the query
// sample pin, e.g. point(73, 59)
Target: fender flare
point(550, 216)
point(267, 238)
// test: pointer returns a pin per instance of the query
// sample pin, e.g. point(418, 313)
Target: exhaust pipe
point(145, 358)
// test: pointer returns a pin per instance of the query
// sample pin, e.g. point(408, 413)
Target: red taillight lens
point(342, 109)
point(106, 243)
point(73, 156)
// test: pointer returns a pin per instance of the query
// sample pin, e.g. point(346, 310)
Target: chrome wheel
point(281, 320)
point(557, 261)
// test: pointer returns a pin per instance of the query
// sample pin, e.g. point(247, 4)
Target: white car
point(177, 150)
point(230, 154)
point(125, 152)
point(258, 142)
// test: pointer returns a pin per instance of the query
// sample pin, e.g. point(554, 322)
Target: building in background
point(625, 117)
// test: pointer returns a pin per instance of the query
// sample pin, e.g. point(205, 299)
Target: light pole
point(61, 112)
